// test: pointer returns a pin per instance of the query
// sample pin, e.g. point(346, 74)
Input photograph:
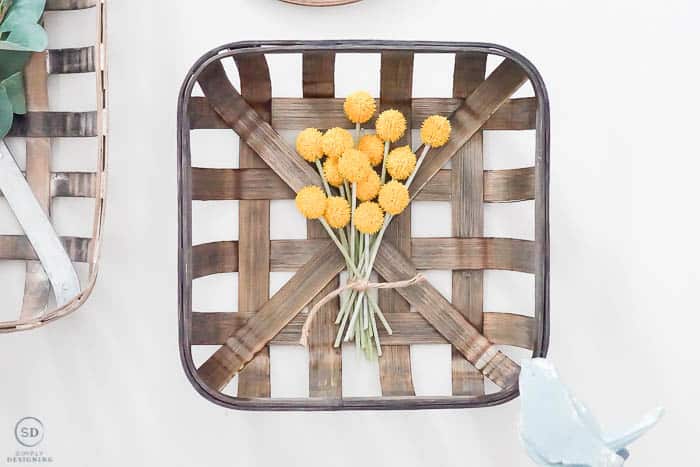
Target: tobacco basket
point(269, 169)
point(37, 129)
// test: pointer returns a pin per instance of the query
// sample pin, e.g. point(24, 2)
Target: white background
point(622, 78)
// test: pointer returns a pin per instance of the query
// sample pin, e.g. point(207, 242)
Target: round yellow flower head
point(400, 163)
point(369, 217)
point(311, 202)
point(337, 212)
point(359, 107)
point(393, 197)
point(435, 131)
point(354, 165)
point(336, 141)
point(373, 146)
point(309, 144)
point(369, 187)
point(391, 125)
point(331, 172)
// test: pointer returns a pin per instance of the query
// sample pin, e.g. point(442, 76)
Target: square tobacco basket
point(269, 169)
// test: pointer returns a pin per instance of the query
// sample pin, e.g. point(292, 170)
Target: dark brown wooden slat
point(18, 248)
point(468, 221)
point(427, 253)
point(396, 87)
point(55, 124)
point(73, 184)
point(468, 119)
point(213, 328)
point(242, 346)
point(449, 322)
point(297, 114)
point(325, 361)
point(254, 227)
point(258, 134)
point(500, 186)
point(505, 186)
point(75, 60)
point(52, 5)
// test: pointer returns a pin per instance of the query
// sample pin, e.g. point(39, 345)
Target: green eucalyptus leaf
point(20, 30)
point(26, 37)
point(6, 114)
point(14, 86)
point(11, 62)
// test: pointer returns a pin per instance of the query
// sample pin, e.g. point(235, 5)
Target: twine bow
point(360, 285)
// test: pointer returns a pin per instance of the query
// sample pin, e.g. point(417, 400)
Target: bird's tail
point(619, 441)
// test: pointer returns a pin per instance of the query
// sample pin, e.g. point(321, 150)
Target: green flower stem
point(323, 177)
point(352, 220)
point(386, 153)
point(334, 237)
point(426, 148)
point(358, 132)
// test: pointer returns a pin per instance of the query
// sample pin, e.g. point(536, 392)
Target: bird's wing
point(618, 441)
point(586, 416)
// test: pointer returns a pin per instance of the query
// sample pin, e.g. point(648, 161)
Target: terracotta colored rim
point(320, 2)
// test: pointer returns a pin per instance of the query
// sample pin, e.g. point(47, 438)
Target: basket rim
point(184, 228)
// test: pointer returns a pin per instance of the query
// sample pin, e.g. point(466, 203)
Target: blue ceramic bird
point(558, 430)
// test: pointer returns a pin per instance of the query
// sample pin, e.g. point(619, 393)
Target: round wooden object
point(320, 2)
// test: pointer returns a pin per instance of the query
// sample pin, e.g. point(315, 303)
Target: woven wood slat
point(18, 248)
point(242, 346)
point(55, 125)
point(213, 328)
point(471, 116)
point(258, 134)
point(427, 253)
point(74, 60)
point(396, 88)
point(297, 114)
point(468, 221)
point(500, 186)
point(69, 4)
point(72, 185)
point(37, 289)
point(254, 227)
point(447, 320)
point(325, 361)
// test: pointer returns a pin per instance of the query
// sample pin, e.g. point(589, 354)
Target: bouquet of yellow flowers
point(365, 184)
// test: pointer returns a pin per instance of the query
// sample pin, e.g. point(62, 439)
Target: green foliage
point(20, 34)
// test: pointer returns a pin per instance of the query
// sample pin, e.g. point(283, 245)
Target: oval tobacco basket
point(270, 169)
point(51, 260)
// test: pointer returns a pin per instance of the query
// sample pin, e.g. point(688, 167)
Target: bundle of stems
point(346, 206)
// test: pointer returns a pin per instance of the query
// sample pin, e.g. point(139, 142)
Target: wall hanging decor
point(270, 168)
point(53, 286)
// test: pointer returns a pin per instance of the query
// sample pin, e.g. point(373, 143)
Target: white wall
point(622, 78)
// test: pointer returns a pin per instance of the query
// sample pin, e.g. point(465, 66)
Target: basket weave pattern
point(269, 170)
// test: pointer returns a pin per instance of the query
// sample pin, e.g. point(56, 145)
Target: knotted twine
point(360, 285)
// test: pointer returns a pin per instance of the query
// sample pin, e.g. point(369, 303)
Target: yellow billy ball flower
point(331, 172)
point(336, 141)
point(391, 125)
point(337, 212)
point(400, 163)
point(354, 165)
point(393, 197)
point(435, 131)
point(311, 202)
point(369, 187)
point(309, 144)
point(369, 217)
point(359, 107)
point(373, 146)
